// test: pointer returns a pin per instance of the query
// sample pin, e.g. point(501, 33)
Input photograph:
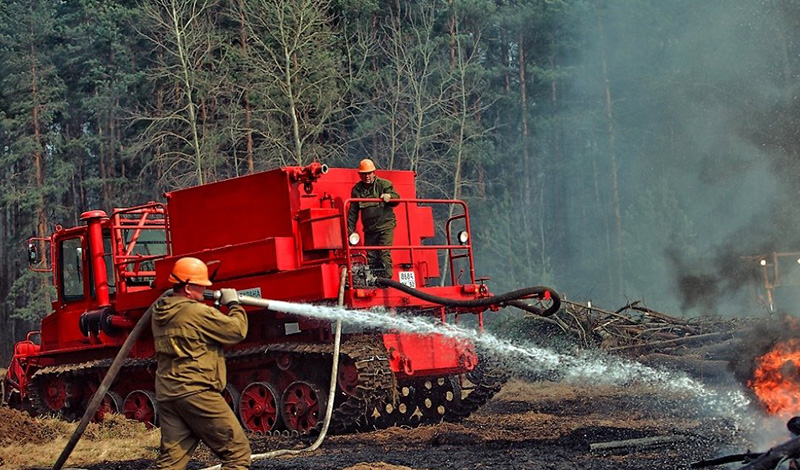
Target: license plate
point(252, 292)
point(407, 278)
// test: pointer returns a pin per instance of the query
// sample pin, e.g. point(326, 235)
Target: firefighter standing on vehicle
point(377, 218)
point(189, 336)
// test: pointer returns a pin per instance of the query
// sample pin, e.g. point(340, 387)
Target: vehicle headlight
point(463, 237)
point(354, 238)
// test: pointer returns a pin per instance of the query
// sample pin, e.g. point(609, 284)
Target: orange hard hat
point(190, 270)
point(366, 166)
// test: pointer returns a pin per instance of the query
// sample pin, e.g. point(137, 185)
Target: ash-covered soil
point(526, 426)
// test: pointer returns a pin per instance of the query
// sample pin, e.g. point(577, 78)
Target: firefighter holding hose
point(189, 336)
point(377, 218)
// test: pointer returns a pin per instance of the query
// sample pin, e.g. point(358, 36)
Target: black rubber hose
point(509, 298)
point(536, 310)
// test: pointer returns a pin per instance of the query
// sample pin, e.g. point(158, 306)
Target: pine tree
point(32, 103)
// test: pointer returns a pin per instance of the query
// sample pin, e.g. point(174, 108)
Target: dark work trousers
point(203, 416)
point(380, 260)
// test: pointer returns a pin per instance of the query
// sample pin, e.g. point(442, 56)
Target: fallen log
point(683, 340)
point(638, 442)
point(722, 351)
point(663, 316)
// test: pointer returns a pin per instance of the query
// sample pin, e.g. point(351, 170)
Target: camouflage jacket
point(375, 216)
point(189, 337)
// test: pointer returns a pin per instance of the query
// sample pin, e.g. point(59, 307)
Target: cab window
point(149, 243)
point(72, 274)
point(109, 259)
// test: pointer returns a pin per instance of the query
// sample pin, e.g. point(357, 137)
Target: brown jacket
point(189, 337)
point(375, 216)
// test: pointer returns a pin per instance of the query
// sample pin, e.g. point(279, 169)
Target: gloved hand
point(386, 197)
point(228, 297)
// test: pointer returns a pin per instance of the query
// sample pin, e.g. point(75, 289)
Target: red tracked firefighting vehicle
point(276, 235)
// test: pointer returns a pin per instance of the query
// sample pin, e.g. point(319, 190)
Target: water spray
point(577, 367)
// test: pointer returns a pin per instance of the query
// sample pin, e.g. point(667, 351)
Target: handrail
point(136, 219)
point(412, 248)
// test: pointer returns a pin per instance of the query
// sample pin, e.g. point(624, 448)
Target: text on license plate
point(407, 278)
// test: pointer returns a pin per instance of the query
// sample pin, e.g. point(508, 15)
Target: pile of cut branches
point(702, 346)
point(638, 329)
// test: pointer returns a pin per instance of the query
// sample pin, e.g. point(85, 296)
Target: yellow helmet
point(366, 166)
point(190, 270)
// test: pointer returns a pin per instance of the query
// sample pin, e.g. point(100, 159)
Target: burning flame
point(776, 380)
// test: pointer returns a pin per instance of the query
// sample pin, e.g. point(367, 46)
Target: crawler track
point(375, 399)
point(62, 390)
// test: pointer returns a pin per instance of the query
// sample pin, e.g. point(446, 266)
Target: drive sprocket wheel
point(258, 408)
point(399, 413)
point(486, 379)
point(302, 406)
point(141, 405)
point(50, 395)
point(55, 394)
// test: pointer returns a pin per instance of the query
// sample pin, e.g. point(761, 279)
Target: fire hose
point(111, 375)
point(513, 298)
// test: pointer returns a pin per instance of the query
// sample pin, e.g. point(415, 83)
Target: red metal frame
point(150, 216)
point(412, 249)
point(18, 372)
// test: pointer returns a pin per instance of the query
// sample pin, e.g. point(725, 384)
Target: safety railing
point(135, 231)
point(454, 250)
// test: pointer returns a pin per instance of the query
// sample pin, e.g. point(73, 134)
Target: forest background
point(616, 150)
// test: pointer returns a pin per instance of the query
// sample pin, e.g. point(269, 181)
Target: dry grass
point(113, 440)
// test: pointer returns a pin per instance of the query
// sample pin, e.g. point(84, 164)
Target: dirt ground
point(536, 426)
point(526, 426)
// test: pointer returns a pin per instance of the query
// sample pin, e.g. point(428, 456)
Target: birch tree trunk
point(248, 111)
point(176, 9)
point(183, 36)
point(297, 68)
point(612, 151)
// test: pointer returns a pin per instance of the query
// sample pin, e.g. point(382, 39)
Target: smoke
point(704, 99)
point(707, 283)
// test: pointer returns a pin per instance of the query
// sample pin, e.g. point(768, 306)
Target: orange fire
point(776, 380)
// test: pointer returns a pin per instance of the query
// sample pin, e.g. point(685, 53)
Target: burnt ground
point(526, 426)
